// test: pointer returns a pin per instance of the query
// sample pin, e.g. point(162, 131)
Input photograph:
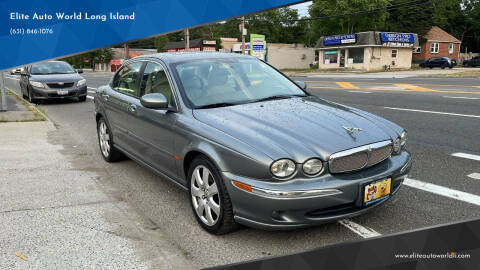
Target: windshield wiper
point(216, 105)
point(276, 97)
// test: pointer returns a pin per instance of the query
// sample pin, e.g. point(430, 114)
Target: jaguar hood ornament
point(351, 130)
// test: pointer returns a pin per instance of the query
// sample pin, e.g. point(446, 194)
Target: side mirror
point(154, 101)
point(301, 84)
point(79, 70)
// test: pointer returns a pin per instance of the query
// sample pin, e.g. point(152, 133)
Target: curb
point(47, 119)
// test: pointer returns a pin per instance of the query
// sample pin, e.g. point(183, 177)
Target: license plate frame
point(377, 190)
point(62, 92)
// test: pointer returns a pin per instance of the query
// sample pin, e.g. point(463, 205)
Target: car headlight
point(283, 168)
point(81, 82)
point(399, 142)
point(313, 166)
point(37, 84)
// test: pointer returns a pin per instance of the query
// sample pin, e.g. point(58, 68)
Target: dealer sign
point(397, 39)
point(339, 39)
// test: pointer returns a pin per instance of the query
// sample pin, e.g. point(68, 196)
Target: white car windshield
point(230, 81)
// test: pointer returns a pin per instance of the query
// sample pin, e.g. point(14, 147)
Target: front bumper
point(49, 93)
point(290, 206)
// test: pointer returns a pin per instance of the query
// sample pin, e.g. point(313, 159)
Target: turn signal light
point(241, 185)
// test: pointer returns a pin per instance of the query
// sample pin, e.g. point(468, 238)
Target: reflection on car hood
point(298, 128)
point(73, 77)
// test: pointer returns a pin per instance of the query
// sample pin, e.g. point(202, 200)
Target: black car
point(52, 80)
point(441, 62)
point(474, 62)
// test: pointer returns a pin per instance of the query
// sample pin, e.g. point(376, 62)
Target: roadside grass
point(38, 112)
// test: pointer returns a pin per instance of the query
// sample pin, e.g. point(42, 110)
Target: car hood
point(298, 128)
point(74, 77)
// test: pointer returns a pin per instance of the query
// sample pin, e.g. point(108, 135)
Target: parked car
point(441, 62)
point(474, 62)
point(16, 71)
point(250, 145)
point(52, 80)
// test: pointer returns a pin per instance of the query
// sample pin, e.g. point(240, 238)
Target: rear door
point(121, 99)
point(156, 127)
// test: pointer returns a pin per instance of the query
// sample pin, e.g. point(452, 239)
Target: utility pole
point(242, 29)
point(3, 94)
point(187, 39)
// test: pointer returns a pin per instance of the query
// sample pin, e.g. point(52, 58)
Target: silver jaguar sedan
point(250, 145)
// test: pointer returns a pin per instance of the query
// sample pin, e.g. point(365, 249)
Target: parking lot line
point(90, 97)
point(474, 176)
point(91, 88)
point(347, 85)
point(461, 97)
point(465, 155)
point(364, 92)
point(363, 231)
point(443, 191)
point(434, 112)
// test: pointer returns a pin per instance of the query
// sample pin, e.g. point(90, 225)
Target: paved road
point(438, 127)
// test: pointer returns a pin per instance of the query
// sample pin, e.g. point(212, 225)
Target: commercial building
point(367, 51)
point(438, 44)
point(198, 44)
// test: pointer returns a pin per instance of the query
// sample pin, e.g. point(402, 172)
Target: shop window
point(417, 50)
point(394, 53)
point(330, 57)
point(451, 48)
point(434, 47)
point(356, 54)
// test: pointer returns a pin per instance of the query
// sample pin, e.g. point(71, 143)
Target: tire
point(30, 99)
point(107, 148)
point(82, 99)
point(215, 222)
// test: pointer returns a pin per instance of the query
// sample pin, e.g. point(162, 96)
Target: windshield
point(231, 81)
point(52, 68)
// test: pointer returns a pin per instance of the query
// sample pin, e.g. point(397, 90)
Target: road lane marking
point(347, 85)
point(390, 83)
point(468, 156)
point(443, 191)
point(91, 88)
point(415, 88)
point(363, 231)
point(20, 255)
point(91, 92)
point(90, 97)
point(364, 92)
point(474, 176)
point(461, 97)
point(434, 112)
point(13, 78)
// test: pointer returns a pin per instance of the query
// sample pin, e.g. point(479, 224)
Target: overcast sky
point(302, 8)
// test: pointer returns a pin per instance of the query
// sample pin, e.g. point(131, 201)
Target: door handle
point(132, 108)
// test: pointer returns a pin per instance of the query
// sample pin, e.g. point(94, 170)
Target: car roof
point(173, 57)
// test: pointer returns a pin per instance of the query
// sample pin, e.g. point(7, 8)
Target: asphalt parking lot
point(442, 116)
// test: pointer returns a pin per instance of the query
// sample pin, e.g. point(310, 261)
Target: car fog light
point(283, 168)
point(313, 166)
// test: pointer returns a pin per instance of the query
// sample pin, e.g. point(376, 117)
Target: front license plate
point(377, 190)
point(62, 92)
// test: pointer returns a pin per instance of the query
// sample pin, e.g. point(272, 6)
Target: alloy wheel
point(205, 197)
point(104, 138)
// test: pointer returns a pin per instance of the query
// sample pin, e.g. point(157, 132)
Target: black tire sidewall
point(201, 160)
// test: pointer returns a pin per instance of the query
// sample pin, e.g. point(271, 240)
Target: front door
point(342, 58)
point(155, 127)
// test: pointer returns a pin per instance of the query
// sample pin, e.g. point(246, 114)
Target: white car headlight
point(403, 138)
point(37, 84)
point(283, 168)
point(81, 82)
point(313, 166)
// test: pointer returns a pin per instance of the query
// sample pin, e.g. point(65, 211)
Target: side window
point(126, 80)
point(155, 80)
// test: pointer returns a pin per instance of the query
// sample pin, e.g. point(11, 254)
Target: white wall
point(289, 56)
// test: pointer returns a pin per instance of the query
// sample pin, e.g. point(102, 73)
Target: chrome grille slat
point(360, 157)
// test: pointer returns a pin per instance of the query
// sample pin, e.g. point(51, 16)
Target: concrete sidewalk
point(54, 216)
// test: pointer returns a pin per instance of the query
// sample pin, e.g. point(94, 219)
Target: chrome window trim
point(364, 148)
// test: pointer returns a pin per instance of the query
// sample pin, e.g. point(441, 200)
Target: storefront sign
point(258, 45)
point(209, 42)
point(339, 39)
point(397, 39)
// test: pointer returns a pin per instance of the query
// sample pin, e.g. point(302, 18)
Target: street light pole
point(243, 36)
point(187, 39)
point(3, 94)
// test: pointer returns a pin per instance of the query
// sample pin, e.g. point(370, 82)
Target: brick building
point(438, 44)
